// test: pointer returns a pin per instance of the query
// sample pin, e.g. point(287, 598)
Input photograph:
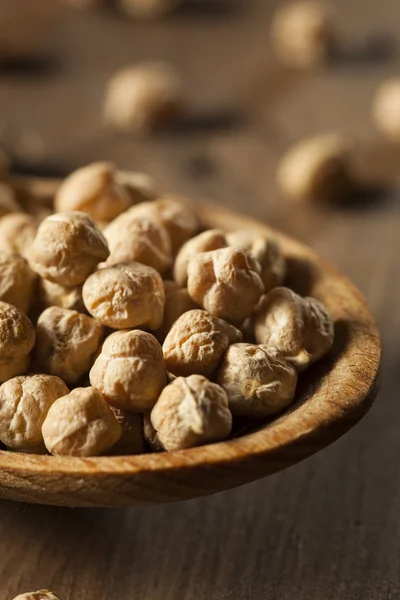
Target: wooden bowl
point(332, 396)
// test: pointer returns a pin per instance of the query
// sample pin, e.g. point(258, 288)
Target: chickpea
point(212, 239)
point(94, 190)
point(39, 595)
point(130, 371)
point(196, 343)
point(140, 99)
point(17, 338)
point(258, 383)
point(386, 109)
point(17, 232)
point(125, 296)
point(54, 294)
point(24, 403)
point(80, 424)
point(66, 343)
point(67, 248)
point(17, 281)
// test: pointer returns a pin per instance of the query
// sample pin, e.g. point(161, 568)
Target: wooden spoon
point(332, 396)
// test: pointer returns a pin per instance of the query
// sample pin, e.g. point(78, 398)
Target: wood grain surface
point(328, 528)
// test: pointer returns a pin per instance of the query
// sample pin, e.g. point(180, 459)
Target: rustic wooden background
point(329, 528)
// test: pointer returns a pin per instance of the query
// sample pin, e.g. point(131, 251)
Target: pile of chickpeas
point(125, 327)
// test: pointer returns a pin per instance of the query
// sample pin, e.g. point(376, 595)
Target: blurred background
point(327, 528)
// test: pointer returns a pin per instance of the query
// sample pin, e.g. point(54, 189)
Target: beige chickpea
point(142, 98)
point(177, 302)
point(196, 343)
point(39, 595)
point(17, 232)
point(212, 239)
point(226, 283)
point(17, 338)
point(67, 248)
point(266, 250)
point(147, 9)
point(132, 440)
point(125, 296)
point(94, 190)
point(130, 371)
point(17, 281)
point(8, 201)
point(386, 109)
point(317, 168)
point(66, 343)
point(141, 187)
point(300, 329)
point(303, 33)
point(179, 220)
point(190, 412)
point(137, 238)
point(80, 424)
point(24, 404)
point(54, 294)
point(258, 383)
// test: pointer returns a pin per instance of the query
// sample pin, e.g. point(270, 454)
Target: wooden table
point(328, 528)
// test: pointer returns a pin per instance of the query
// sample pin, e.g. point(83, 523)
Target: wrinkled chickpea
point(94, 190)
point(67, 248)
point(130, 371)
point(54, 294)
point(17, 281)
point(266, 250)
point(299, 329)
point(80, 424)
point(137, 238)
point(196, 343)
point(140, 186)
point(66, 343)
point(386, 109)
point(17, 338)
point(125, 296)
point(140, 99)
point(177, 302)
point(303, 34)
point(17, 232)
point(39, 595)
point(147, 9)
point(258, 383)
point(8, 201)
point(189, 412)
point(24, 404)
point(226, 283)
point(317, 168)
point(132, 440)
point(212, 239)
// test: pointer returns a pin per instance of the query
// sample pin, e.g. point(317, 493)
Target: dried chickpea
point(125, 296)
point(386, 109)
point(226, 283)
point(140, 186)
point(8, 201)
point(147, 9)
point(67, 248)
point(17, 338)
point(190, 412)
point(317, 168)
point(17, 232)
point(258, 383)
point(132, 440)
point(196, 343)
point(212, 239)
point(54, 294)
point(39, 595)
point(299, 329)
point(135, 238)
point(80, 424)
point(66, 343)
point(177, 302)
point(303, 33)
point(266, 250)
point(94, 190)
point(179, 220)
point(17, 281)
point(130, 371)
point(140, 99)
point(24, 404)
